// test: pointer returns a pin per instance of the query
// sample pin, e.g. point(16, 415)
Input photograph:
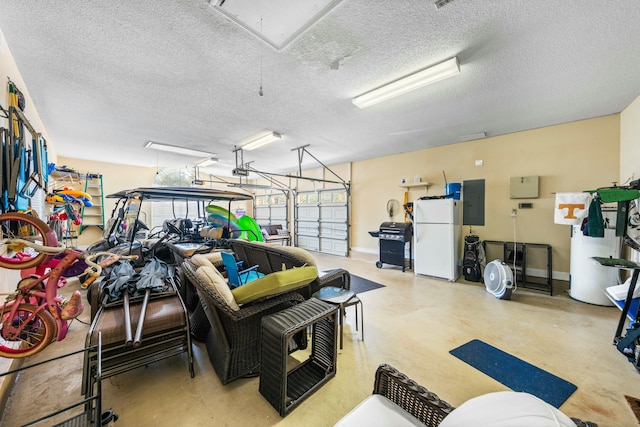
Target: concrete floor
point(411, 324)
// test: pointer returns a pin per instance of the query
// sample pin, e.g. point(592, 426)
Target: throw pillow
point(265, 233)
point(506, 409)
point(274, 284)
point(211, 277)
point(211, 232)
point(212, 259)
point(303, 255)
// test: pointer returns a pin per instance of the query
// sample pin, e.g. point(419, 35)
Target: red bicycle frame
point(49, 299)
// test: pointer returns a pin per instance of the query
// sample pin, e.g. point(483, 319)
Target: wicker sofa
point(271, 258)
point(398, 400)
point(231, 334)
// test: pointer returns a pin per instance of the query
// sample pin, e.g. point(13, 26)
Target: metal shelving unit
point(517, 261)
point(93, 216)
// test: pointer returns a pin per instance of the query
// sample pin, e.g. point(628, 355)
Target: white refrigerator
point(437, 232)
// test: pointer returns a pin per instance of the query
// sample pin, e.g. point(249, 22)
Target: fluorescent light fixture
point(175, 149)
point(414, 81)
point(207, 162)
point(262, 141)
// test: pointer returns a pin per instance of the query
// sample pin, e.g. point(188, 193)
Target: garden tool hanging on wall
point(18, 159)
point(4, 169)
point(17, 176)
point(24, 165)
point(16, 100)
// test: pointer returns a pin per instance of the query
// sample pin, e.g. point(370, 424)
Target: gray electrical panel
point(473, 202)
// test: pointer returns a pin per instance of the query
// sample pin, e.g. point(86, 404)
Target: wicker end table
point(286, 389)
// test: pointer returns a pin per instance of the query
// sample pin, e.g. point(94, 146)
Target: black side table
point(287, 389)
point(343, 298)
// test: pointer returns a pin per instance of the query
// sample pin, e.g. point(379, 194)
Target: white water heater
point(589, 278)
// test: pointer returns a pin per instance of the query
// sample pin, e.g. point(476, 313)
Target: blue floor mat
point(514, 373)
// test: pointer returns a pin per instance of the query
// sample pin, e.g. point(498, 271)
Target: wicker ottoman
point(287, 389)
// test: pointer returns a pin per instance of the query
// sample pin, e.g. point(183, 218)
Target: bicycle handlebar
point(94, 268)
point(46, 249)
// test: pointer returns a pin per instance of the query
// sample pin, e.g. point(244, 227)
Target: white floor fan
point(498, 279)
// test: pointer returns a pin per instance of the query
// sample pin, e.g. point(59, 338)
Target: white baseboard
point(364, 250)
point(533, 272)
point(539, 272)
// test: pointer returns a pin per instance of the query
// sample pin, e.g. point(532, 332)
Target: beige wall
point(570, 157)
point(630, 142)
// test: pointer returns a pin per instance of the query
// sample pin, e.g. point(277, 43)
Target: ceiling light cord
point(261, 92)
point(515, 257)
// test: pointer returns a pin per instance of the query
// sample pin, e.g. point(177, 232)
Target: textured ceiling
point(108, 76)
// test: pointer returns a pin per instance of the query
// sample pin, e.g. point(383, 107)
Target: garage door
point(272, 209)
point(322, 221)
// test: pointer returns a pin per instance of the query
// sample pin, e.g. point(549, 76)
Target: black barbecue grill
point(392, 237)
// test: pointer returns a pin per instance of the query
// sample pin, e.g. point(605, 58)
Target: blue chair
point(236, 276)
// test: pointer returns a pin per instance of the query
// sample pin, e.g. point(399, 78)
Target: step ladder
point(93, 216)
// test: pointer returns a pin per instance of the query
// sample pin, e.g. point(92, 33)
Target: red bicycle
point(35, 315)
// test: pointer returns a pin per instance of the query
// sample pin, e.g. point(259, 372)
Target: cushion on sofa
point(211, 259)
point(506, 409)
point(378, 411)
point(211, 232)
point(302, 254)
point(274, 284)
point(212, 278)
point(265, 233)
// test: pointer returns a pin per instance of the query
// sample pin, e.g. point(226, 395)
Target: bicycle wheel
point(17, 256)
point(37, 333)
